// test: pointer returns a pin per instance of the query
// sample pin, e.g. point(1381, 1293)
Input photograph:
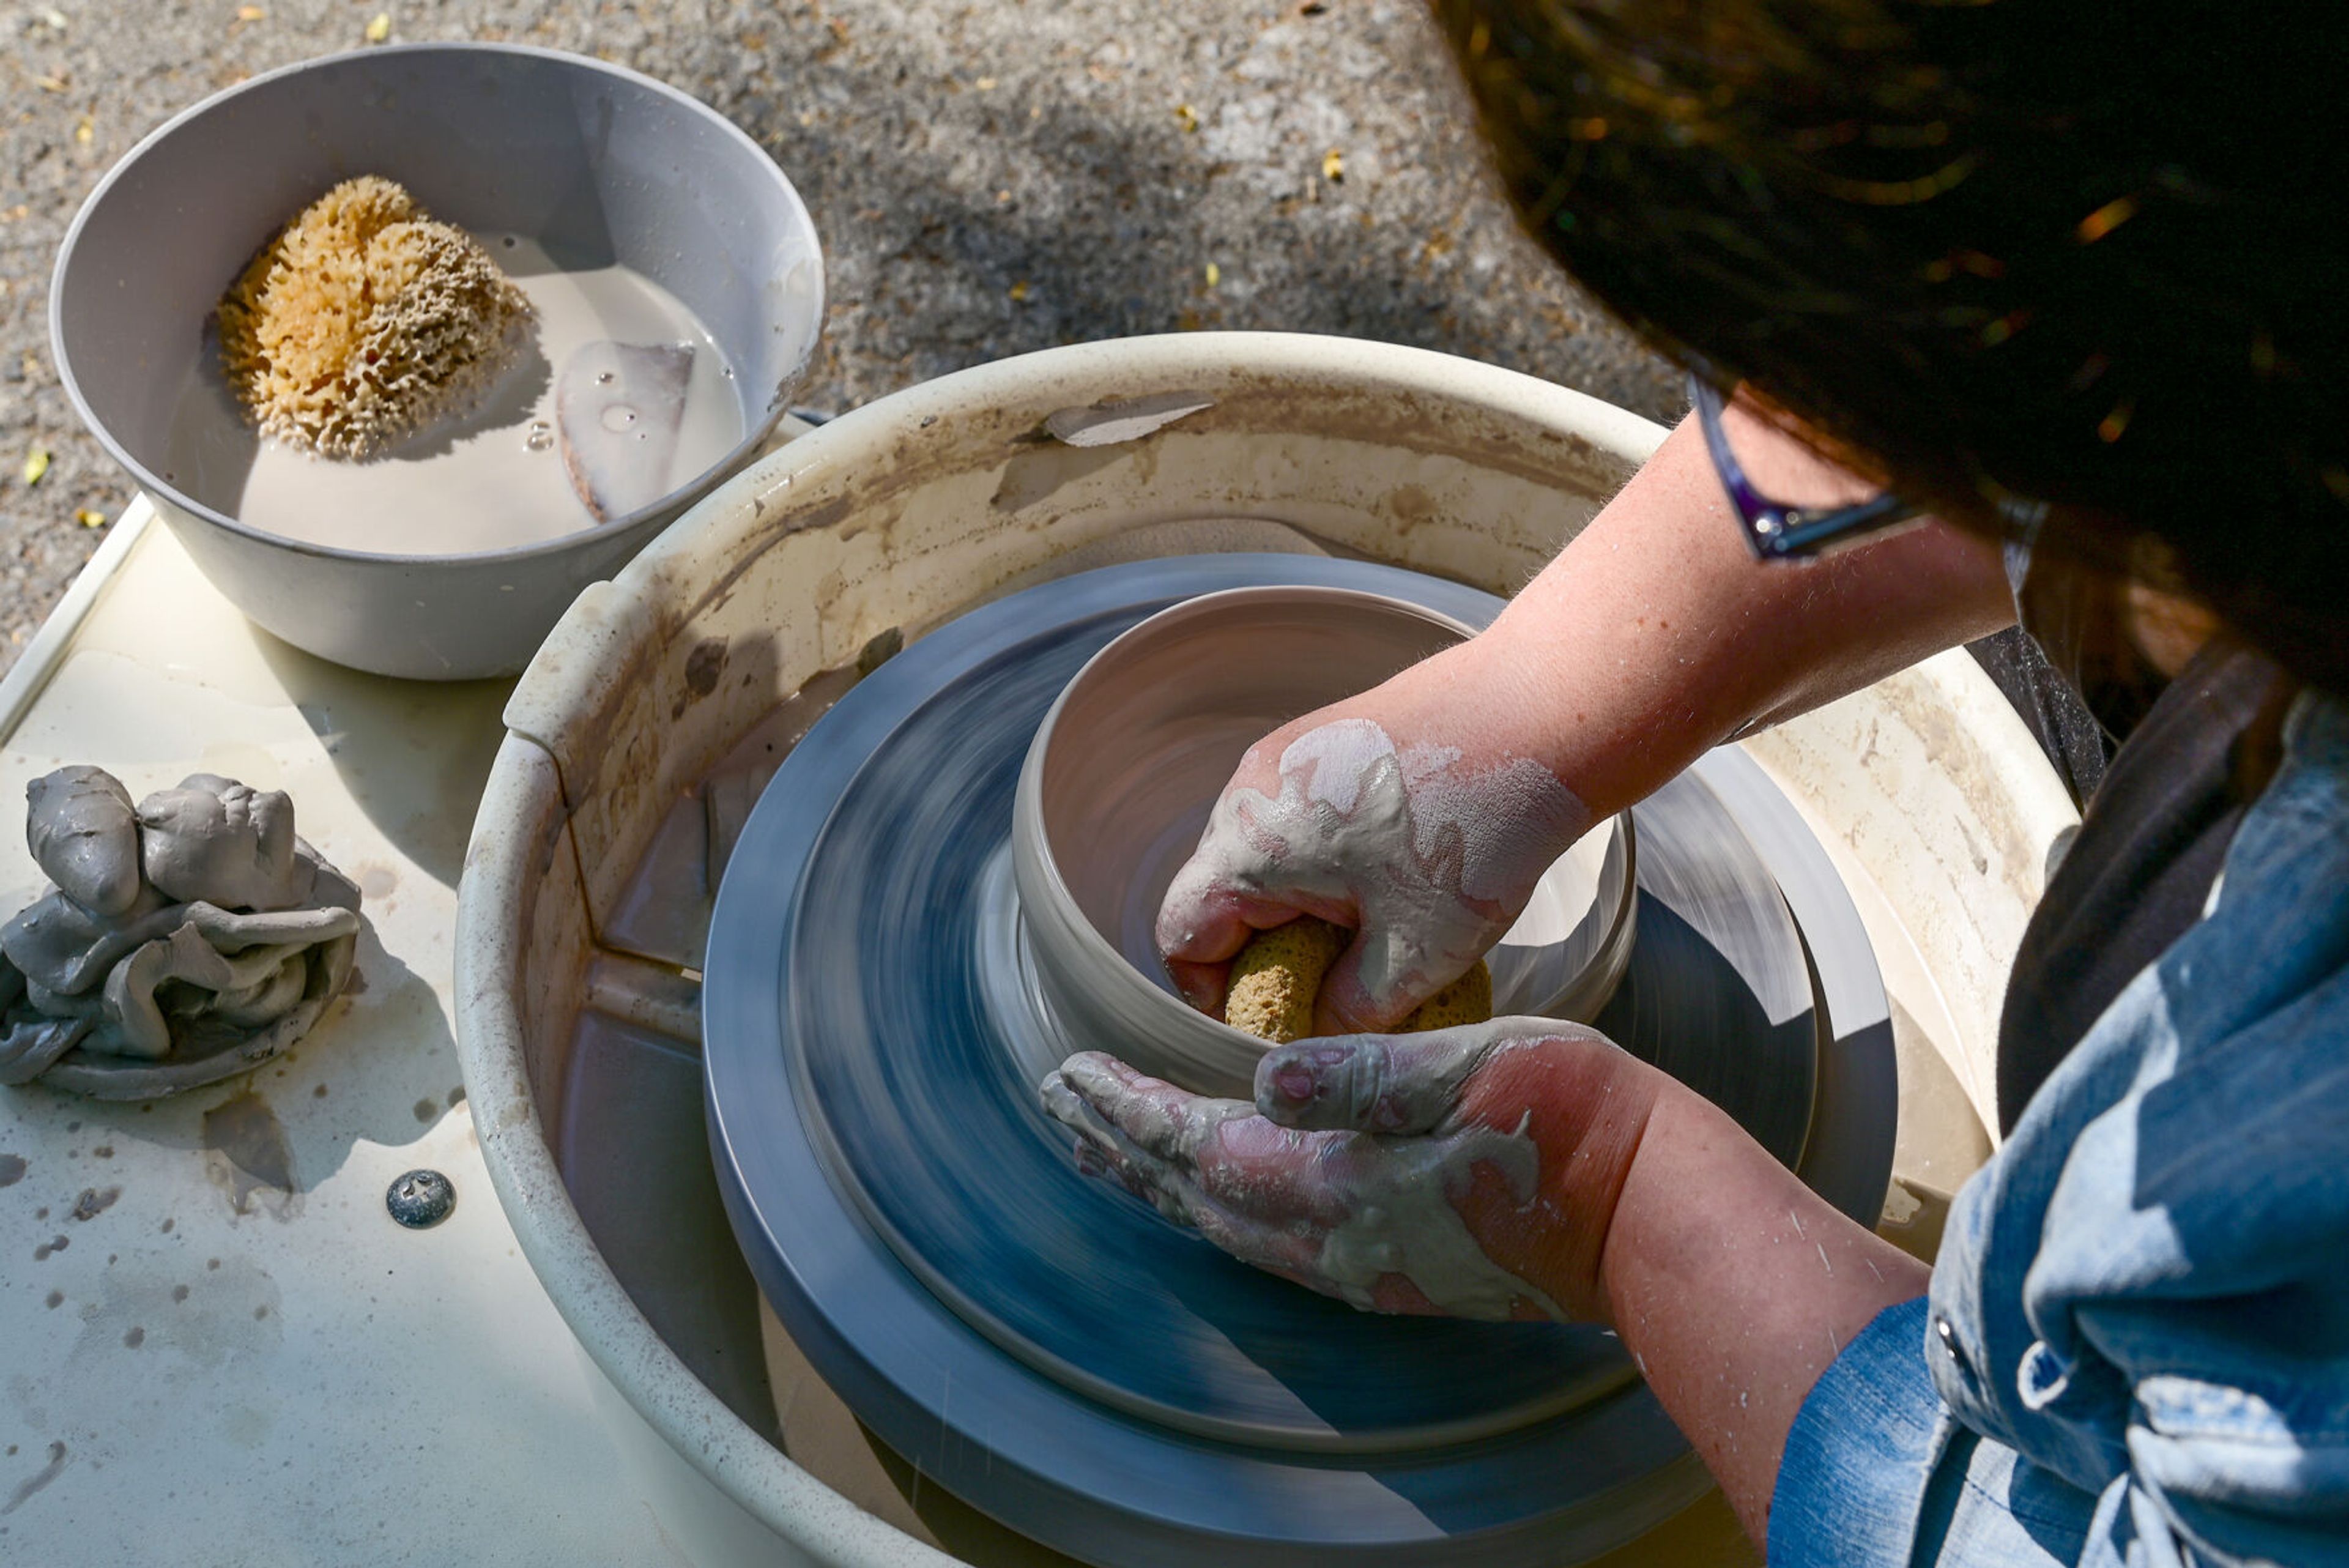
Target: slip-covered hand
point(1468, 1172)
point(1399, 814)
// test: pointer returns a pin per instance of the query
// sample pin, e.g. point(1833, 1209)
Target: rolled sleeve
point(1878, 1471)
point(1862, 1451)
point(2135, 1354)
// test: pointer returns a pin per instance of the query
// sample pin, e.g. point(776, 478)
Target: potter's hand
point(1463, 1172)
point(1392, 815)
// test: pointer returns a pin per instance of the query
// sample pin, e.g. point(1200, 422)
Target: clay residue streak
point(1436, 853)
point(1412, 1228)
point(37, 1480)
point(248, 1135)
point(1341, 1211)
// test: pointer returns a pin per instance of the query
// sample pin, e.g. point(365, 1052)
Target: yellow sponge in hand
point(1468, 1000)
point(1277, 976)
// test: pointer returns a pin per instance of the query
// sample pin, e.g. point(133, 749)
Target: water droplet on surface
point(540, 437)
point(510, 242)
point(728, 372)
point(618, 418)
point(604, 379)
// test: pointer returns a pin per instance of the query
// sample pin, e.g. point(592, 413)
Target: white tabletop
point(236, 1356)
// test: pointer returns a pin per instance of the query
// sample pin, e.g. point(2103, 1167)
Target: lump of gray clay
point(216, 839)
point(187, 940)
point(85, 837)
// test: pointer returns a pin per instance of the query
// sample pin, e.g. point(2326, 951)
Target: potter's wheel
point(1045, 1345)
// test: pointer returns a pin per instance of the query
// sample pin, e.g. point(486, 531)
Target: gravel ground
point(989, 179)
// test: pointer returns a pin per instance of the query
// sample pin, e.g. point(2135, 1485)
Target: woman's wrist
point(1587, 1105)
point(1500, 709)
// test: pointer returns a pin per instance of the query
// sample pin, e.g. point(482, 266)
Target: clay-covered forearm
point(1419, 813)
point(1734, 1286)
point(1656, 634)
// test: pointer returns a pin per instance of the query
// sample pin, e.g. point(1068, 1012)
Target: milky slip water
point(495, 478)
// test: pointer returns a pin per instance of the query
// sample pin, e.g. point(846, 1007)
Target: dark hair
point(2085, 254)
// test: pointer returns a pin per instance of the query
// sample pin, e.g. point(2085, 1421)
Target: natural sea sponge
point(1278, 974)
point(1468, 1000)
point(363, 321)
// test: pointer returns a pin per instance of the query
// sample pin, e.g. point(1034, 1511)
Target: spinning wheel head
point(1045, 1346)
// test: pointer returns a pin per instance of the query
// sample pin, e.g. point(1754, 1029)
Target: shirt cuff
point(1852, 1482)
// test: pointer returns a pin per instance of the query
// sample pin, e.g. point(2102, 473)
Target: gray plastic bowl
point(588, 158)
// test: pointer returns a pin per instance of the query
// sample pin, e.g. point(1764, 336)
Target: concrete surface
point(989, 179)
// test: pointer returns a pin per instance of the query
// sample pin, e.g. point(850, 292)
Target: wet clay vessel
point(1122, 771)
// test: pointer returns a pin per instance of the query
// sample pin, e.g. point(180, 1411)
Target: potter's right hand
point(1394, 814)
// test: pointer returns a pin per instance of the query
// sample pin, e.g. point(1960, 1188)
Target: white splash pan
point(1926, 789)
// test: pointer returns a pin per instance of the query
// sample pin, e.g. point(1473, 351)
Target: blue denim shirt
point(2137, 1346)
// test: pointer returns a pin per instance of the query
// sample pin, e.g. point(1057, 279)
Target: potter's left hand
point(1469, 1171)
